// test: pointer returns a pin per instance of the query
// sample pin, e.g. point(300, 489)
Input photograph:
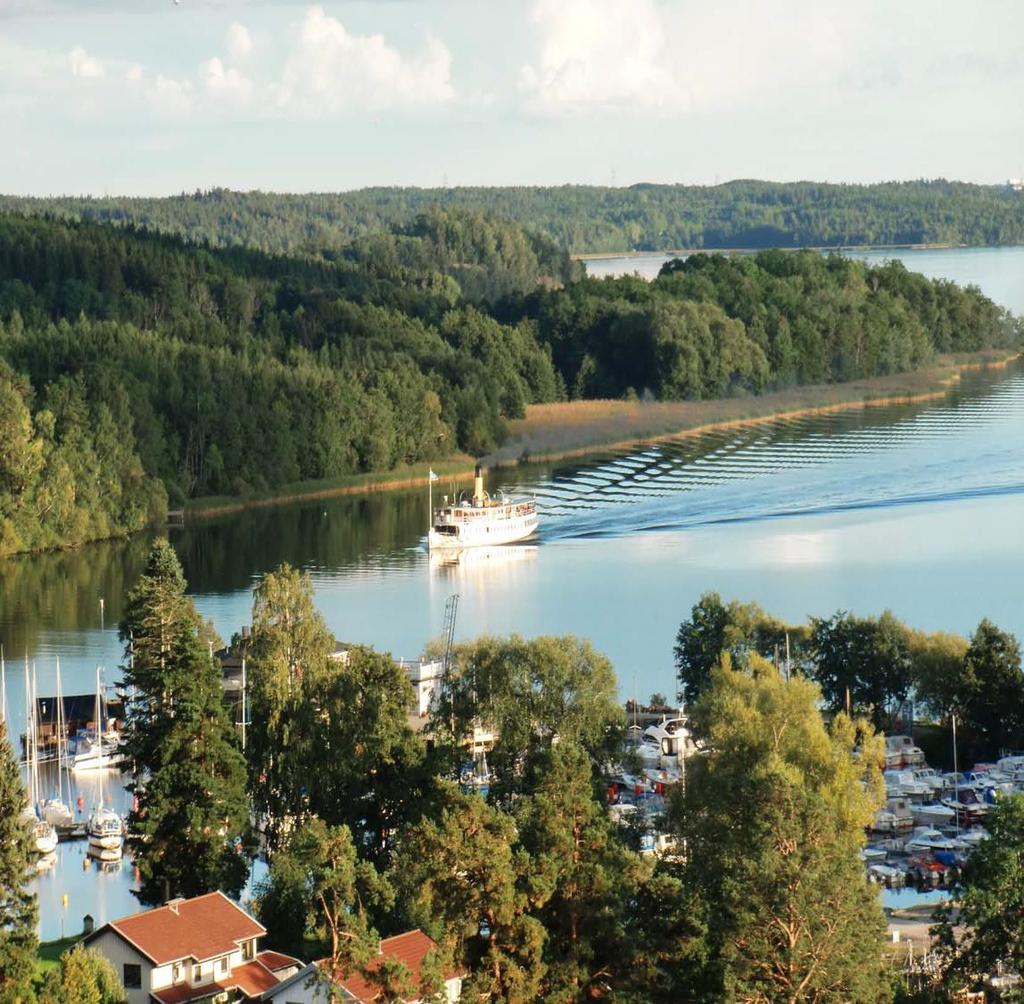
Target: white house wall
point(119, 952)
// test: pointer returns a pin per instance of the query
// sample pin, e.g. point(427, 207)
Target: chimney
point(478, 485)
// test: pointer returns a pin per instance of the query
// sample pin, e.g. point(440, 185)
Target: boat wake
point(876, 459)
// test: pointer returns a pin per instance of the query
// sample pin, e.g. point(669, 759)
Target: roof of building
point(252, 979)
point(278, 960)
point(197, 928)
point(410, 948)
point(308, 973)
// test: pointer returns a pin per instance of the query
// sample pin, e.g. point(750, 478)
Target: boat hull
point(105, 841)
point(484, 533)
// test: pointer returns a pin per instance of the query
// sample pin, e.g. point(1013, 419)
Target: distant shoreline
point(678, 252)
point(552, 432)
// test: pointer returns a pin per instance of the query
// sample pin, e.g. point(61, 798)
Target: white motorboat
point(927, 838)
point(903, 782)
point(933, 814)
point(480, 520)
point(86, 751)
point(900, 751)
point(670, 737)
point(95, 748)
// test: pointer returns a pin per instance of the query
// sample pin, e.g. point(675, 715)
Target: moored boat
point(106, 830)
point(480, 519)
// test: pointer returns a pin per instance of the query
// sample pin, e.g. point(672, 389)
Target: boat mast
point(29, 737)
point(61, 741)
point(35, 737)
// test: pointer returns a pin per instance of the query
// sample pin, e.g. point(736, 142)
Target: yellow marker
point(64, 900)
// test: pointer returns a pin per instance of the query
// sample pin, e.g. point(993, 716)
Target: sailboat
point(94, 749)
point(44, 834)
point(56, 810)
point(105, 827)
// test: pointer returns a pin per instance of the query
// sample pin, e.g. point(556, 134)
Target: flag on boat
point(433, 476)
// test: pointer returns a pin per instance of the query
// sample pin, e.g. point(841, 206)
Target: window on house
point(197, 972)
point(176, 972)
point(224, 964)
point(248, 950)
point(131, 976)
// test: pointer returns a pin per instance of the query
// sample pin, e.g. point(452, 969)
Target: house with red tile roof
point(311, 986)
point(192, 950)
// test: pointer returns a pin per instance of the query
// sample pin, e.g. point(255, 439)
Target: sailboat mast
point(61, 738)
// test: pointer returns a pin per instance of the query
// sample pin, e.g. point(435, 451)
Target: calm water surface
point(919, 509)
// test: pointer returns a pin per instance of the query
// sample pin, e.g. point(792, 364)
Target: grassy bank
point(49, 952)
point(575, 428)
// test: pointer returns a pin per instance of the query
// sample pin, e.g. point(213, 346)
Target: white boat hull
point(484, 533)
point(46, 843)
point(97, 761)
point(57, 813)
point(106, 842)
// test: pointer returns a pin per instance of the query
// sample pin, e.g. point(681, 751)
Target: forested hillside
point(136, 367)
point(580, 218)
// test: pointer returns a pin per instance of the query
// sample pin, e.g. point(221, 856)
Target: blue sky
point(154, 97)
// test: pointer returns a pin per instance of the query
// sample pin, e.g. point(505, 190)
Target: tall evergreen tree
point(157, 615)
point(590, 875)
point(18, 909)
point(465, 880)
point(190, 827)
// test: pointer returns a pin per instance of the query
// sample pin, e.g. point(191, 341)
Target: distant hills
point(582, 219)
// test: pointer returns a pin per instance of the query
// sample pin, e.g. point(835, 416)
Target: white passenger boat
point(480, 519)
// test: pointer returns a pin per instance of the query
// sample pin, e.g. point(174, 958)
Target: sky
point(154, 97)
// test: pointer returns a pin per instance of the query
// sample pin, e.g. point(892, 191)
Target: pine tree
point(590, 875)
point(467, 883)
point(18, 909)
point(157, 615)
point(190, 829)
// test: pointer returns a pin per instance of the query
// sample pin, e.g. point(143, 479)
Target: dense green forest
point(582, 218)
point(136, 366)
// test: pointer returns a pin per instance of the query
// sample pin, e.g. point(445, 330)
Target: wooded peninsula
point(140, 369)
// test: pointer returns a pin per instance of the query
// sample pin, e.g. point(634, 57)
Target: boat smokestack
point(478, 485)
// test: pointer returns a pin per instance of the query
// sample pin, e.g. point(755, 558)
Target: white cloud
point(683, 57)
point(170, 97)
point(330, 69)
point(84, 65)
point(598, 52)
point(239, 42)
point(133, 73)
point(226, 83)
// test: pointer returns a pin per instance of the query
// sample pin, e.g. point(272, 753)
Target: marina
point(916, 508)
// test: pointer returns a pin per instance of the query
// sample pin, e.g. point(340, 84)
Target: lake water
point(915, 508)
